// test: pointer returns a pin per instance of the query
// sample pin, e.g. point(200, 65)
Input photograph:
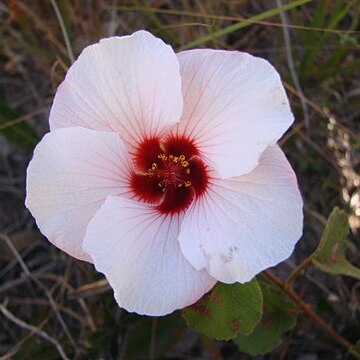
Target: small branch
point(309, 312)
point(34, 330)
point(307, 262)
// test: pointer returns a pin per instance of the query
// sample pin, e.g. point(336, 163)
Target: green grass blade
point(229, 29)
point(21, 133)
point(338, 15)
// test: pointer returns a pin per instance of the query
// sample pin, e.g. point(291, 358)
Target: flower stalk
point(306, 263)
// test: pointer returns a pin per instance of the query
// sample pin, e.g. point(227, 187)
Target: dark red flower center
point(169, 173)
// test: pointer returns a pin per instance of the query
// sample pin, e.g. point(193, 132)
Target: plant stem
point(309, 312)
point(153, 339)
point(307, 262)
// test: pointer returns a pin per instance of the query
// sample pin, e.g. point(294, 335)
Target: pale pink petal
point(137, 250)
point(128, 84)
point(245, 224)
point(71, 174)
point(234, 107)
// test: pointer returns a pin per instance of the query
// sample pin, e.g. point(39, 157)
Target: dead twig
point(41, 286)
point(34, 330)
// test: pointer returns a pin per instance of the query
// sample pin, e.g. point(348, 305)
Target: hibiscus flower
point(162, 169)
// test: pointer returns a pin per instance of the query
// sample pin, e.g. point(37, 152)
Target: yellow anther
point(169, 173)
point(163, 157)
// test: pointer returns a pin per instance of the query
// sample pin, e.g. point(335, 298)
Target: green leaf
point(279, 317)
point(20, 133)
point(330, 254)
point(227, 310)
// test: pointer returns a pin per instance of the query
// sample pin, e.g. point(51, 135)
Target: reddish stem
point(309, 312)
point(307, 262)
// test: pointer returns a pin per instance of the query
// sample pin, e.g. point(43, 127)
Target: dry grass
point(52, 306)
